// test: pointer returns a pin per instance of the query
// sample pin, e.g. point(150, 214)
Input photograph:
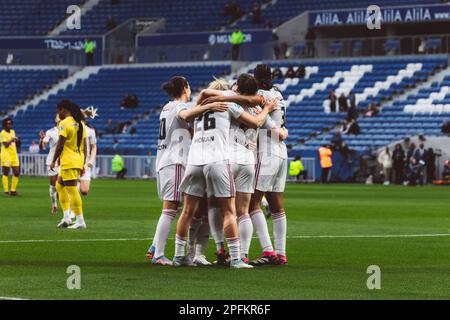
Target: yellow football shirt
point(11, 150)
point(71, 157)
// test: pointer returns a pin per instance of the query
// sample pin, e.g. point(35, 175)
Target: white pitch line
point(425, 235)
point(11, 298)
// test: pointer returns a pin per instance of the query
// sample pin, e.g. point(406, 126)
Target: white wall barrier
point(138, 167)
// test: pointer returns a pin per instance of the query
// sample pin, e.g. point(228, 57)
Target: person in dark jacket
point(277, 73)
point(290, 73)
point(398, 163)
point(445, 129)
point(343, 105)
point(332, 97)
point(430, 160)
point(300, 72)
point(354, 128)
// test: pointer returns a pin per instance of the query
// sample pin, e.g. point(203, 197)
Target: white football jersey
point(90, 140)
point(211, 141)
point(51, 139)
point(268, 144)
point(244, 140)
point(174, 137)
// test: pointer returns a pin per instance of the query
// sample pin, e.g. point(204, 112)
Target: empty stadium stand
point(18, 84)
point(106, 90)
point(373, 80)
point(32, 17)
point(283, 10)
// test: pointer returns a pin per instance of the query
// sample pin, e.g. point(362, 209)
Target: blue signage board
point(57, 43)
point(202, 38)
point(419, 13)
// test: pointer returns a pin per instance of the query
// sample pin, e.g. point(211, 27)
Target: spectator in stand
point(446, 127)
point(446, 171)
point(115, 2)
point(372, 111)
point(129, 101)
point(353, 128)
point(385, 160)
point(109, 129)
point(398, 162)
point(345, 126)
point(34, 147)
point(115, 144)
point(256, 13)
point(300, 72)
point(343, 105)
point(337, 140)
point(352, 97)
point(110, 23)
point(430, 160)
point(326, 164)
point(352, 113)
point(277, 73)
point(332, 97)
point(237, 13)
point(290, 73)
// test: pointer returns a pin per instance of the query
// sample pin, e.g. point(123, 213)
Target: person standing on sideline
point(118, 166)
point(236, 39)
point(398, 161)
point(326, 164)
point(89, 47)
point(385, 159)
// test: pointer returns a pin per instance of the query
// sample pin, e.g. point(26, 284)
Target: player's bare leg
point(191, 207)
point(231, 232)
point(262, 231)
point(275, 200)
point(53, 194)
point(245, 225)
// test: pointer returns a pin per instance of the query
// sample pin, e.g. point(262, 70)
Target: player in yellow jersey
point(9, 158)
point(71, 153)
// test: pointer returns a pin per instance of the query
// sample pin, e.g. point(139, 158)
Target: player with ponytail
point(71, 153)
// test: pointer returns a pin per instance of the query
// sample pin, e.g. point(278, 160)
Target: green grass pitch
point(331, 267)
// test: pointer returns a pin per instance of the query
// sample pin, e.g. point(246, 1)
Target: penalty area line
point(424, 235)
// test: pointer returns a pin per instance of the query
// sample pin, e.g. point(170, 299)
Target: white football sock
point(260, 225)
point(192, 235)
point(80, 219)
point(67, 215)
point(202, 237)
point(245, 233)
point(162, 231)
point(216, 226)
point(234, 248)
point(53, 195)
point(180, 243)
point(279, 232)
